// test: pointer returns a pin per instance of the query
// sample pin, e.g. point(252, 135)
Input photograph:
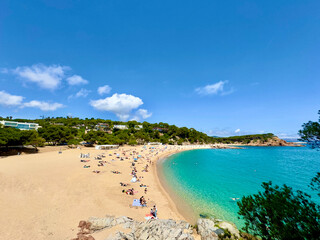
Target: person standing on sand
point(152, 212)
point(155, 210)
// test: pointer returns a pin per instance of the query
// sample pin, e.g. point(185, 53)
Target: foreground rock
point(157, 229)
point(211, 230)
point(151, 229)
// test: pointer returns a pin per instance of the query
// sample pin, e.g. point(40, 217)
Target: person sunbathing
point(96, 171)
point(130, 191)
point(116, 172)
point(124, 184)
point(86, 166)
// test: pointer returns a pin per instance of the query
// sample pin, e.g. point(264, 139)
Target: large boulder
point(156, 229)
point(108, 222)
point(231, 228)
point(211, 229)
point(207, 229)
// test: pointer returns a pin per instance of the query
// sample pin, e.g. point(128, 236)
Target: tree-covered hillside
point(68, 130)
point(245, 139)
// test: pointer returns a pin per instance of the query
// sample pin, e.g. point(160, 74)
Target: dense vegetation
point(281, 213)
point(74, 130)
point(310, 133)
point(14, 137)
point(245, 139)
point(57, 131)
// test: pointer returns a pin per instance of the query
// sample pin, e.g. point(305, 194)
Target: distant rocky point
point(274, 141)
point(264, 140)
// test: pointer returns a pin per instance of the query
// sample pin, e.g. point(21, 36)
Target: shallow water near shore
point(208, 179)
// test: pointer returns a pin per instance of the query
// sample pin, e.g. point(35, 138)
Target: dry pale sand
point(45, 195)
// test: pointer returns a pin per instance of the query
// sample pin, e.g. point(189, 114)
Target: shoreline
point(177, 202)
point(162, 189)
point(182, 207)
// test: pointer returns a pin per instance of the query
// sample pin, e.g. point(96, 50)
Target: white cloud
point(47, 77)
point(82, 93)
point(119, 104)
point(44, 106)
point(237, 131)
point(213, 89)
point(141, 114)
point(144, 113)
point(9, 100)
point(104, 89)
point(76, 80)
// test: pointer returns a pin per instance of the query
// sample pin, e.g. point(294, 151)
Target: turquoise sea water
point(207, 179)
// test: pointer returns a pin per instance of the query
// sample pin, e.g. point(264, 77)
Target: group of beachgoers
point(134, 156)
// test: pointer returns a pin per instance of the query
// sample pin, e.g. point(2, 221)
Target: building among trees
point(20, 125)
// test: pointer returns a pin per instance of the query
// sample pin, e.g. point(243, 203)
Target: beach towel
point(136, 203)
point(149, 216)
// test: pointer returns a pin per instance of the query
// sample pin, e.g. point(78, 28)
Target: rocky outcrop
point(84, 231)
point(224, 146)
point(151, 229)
point(108, 222)
point(209, 229)
point(157, 229)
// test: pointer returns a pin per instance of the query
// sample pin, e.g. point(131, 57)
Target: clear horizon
point(223, 68)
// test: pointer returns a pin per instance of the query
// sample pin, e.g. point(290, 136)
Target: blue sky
point(222, 67)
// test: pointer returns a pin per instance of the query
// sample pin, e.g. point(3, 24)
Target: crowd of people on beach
point(142, 155)
point(135, 156)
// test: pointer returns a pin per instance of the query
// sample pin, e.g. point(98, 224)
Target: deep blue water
point(207, 179)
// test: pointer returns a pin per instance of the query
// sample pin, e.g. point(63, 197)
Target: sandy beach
point(45, 195)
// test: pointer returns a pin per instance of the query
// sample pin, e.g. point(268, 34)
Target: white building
point(100, 147)
point(154, 143)
point(138, 127)
point(20, 125)
point(121, 127)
